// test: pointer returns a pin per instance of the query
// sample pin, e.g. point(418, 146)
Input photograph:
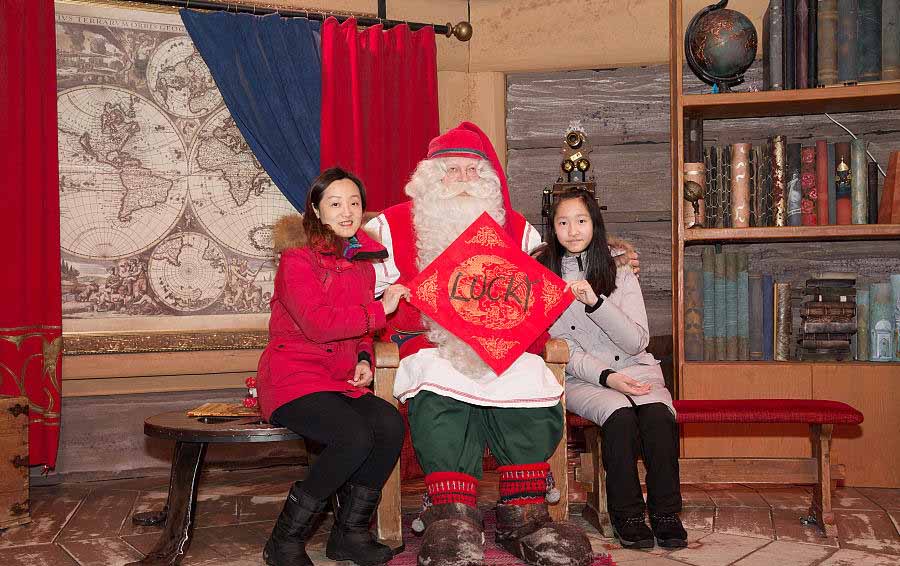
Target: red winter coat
point(323, 311)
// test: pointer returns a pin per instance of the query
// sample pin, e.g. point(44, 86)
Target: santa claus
point(457, 405)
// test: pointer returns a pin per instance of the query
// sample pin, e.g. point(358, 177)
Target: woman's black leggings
point(361, 439)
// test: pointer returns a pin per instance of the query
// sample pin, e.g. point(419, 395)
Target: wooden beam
point(734, 470)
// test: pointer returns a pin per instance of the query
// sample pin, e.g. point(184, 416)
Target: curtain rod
point(462, 31)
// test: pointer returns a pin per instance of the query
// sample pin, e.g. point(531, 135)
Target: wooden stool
point(191, 436)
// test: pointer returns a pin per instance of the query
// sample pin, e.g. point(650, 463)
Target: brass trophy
point(575, 166)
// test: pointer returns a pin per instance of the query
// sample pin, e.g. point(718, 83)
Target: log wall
point(625, 114)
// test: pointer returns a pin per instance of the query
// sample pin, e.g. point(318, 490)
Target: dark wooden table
point(191, 436)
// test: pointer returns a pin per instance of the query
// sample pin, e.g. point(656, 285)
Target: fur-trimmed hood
point(290, 233)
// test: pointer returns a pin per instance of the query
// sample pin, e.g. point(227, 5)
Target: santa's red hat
point(467, 140)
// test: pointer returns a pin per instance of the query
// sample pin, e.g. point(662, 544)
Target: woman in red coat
point(314, 373)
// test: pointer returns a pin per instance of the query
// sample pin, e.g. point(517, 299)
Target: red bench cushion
point(809, 411)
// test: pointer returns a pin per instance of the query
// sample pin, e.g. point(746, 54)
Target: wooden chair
point(387, 359)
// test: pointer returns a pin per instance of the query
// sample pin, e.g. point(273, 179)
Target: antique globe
point(720, 45)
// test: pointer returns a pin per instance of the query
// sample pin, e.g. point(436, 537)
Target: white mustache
point(480, 188)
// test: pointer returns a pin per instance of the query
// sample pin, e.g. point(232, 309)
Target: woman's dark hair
point(319, 234)
point(599, 266)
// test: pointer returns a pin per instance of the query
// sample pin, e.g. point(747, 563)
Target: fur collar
point(289, 233)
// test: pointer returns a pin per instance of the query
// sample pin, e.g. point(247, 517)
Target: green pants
point(449, 435)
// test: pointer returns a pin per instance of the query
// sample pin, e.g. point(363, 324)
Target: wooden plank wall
point(625, 113)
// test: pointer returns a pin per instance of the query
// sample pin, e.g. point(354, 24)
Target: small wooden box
point(15, 508)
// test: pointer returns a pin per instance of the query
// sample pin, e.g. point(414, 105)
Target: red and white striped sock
point(523, 484)
point(451, 487)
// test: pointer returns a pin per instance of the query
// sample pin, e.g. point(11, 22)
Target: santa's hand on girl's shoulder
point(627, 385)
point(624, 254)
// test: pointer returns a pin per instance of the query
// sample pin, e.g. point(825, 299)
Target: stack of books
point(828, 319)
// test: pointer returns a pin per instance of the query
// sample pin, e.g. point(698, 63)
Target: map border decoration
point(159, 8)
point(118, 342)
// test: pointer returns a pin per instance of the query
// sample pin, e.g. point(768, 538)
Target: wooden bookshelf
point(864, 97)
point(877, 389)
point(792, 234)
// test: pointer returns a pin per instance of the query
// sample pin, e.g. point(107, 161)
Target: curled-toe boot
point(528, 532)
point(454, 536)
point(350, 537)
point(298, 520)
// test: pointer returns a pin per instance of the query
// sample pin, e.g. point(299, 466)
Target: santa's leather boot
point(297, 522)
point(524, 525)
point(350, 537)
point(454, 531)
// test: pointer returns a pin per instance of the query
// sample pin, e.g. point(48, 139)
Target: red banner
point(489, 293)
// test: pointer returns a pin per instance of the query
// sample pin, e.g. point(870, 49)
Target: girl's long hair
point(599, 265)
point(321, 235)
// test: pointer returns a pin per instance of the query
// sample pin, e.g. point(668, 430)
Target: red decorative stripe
point(523, 484)
point(451, 487)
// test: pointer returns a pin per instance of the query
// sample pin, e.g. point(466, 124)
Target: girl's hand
point(391, 297)
point(583, 292)
point(362, 376)
point(627, 385)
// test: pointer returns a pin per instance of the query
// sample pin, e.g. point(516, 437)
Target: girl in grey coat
point(610, 377)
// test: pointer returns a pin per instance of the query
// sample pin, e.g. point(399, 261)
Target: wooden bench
point(821, 416)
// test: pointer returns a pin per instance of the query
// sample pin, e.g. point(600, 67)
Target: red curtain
point(379, 104)
point(30, 301)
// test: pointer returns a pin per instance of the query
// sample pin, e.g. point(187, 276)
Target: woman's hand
point(627, 385)
point(391, 297)
point(362, 375)
point(583, 292)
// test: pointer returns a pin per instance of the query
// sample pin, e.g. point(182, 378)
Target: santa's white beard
point(440, 214)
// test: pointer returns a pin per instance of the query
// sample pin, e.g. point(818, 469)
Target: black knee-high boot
point(350, 537)
point(297, 522)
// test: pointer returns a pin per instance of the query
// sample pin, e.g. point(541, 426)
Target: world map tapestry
point(165, 213)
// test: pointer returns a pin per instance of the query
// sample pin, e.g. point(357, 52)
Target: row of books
point(810, 43)
point(718, 309)
point(785, 184)
point(732, 314)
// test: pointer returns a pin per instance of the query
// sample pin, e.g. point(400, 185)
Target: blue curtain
point(269, 72)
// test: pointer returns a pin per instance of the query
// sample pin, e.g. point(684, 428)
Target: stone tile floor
point(89, 524)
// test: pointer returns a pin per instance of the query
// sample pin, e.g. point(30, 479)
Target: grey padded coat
point(612, 337)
